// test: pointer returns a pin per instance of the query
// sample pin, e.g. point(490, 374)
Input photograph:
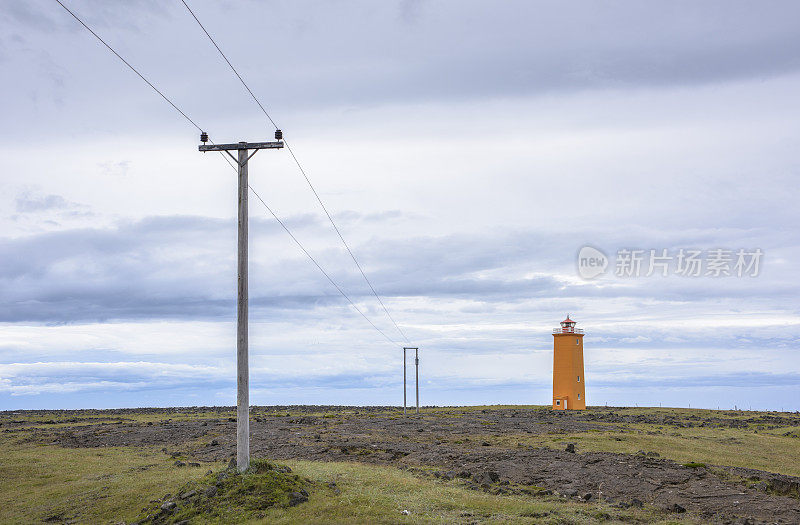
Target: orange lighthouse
point(569, 392)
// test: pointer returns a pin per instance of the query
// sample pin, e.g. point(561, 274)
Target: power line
point(232, 166)
point(130, 66)
point(339, 233)
point(161, 94)
point(229, 63)
point(320, 268)
point(303, 171)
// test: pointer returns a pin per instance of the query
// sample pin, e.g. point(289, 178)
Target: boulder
point(486, 477)
point(296, 498)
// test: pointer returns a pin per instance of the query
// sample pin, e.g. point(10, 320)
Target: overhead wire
point(320, 268)
point(274, 215)
point(129, 65)
point(302, 171)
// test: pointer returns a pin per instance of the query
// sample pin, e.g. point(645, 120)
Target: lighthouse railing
point(567, 330)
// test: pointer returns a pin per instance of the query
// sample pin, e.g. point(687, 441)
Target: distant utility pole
point(404, 380)
point(416, 362)
point(242, 362)
point(416, 382)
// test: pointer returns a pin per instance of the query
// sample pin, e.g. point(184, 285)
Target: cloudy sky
point(467, 151)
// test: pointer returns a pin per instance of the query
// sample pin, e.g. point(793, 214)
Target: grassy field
point(113, 485)
point(766, 450)
point(45, 482)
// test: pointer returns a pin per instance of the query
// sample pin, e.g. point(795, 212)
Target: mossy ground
point(229, 496)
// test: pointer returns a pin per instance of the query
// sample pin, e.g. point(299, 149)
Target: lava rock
point(486, 477)
point(570, 447)
point(296, 498)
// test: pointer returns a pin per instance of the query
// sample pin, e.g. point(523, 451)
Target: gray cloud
point(27, 203)
point(361, 53)
point(182, 268)
point(748, 379)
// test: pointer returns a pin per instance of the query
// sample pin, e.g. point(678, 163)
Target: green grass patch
point(103, 485)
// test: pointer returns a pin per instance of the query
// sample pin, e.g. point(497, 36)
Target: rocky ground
point(486, 448)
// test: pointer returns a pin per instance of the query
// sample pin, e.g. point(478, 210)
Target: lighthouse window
point(579, 379)
point(558, 402)
point(577, 341)
point(579, 396)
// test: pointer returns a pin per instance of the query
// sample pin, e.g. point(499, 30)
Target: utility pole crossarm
point(241, 145)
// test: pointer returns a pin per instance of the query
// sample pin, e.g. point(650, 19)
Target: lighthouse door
point(565, 403)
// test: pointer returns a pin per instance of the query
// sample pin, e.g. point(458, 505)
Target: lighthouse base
point(565, 403)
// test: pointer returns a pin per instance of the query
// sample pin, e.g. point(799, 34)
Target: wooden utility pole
point(416, 382)
point(242, 347)
point(416, 357)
